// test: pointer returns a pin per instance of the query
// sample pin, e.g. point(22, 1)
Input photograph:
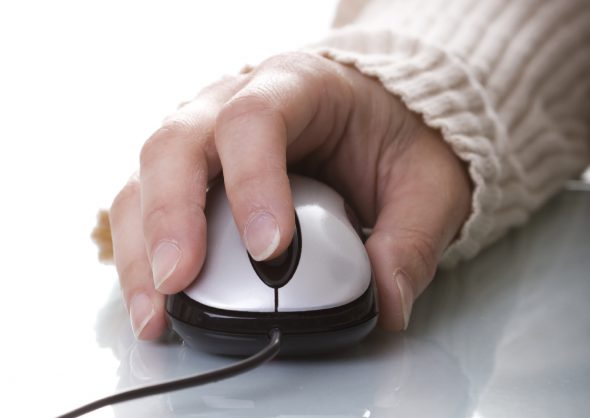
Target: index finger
point(291, 102)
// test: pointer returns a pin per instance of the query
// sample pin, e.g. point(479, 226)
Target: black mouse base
point(244, 333)
point(292, 345)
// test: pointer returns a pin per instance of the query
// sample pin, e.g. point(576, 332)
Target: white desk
point(506, 335)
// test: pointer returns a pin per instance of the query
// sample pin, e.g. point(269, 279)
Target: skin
point(320, 119)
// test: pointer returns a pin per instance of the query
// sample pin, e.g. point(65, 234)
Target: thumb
point(419, 216)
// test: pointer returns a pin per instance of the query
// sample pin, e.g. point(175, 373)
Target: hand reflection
point(459, 339)
point(387, 373)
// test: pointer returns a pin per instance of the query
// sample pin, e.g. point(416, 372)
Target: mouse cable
point(264, 355)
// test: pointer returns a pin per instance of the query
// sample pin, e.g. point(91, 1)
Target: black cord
point(264, 355)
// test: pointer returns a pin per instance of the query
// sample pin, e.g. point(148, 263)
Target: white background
point(82, 85)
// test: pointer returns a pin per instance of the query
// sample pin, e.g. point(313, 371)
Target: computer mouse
point(320, 293)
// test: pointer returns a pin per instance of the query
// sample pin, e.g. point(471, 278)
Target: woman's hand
point(316, 117)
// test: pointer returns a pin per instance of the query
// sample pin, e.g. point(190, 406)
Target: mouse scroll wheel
point(277, 272)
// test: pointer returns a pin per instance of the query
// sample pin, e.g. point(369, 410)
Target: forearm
point(505, 82)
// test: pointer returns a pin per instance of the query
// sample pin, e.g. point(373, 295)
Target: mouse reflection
point(440, 366)
point(424, 372)
point(436, 368)
point(386, 374)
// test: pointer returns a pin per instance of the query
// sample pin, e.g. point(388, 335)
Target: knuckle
point(242, 106)
point(304, 68)
point(279, 77)
point(294, 61)
point(173, 127)
point(317, 75)
point(308, 66)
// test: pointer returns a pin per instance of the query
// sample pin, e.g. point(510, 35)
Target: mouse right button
point(334, 268)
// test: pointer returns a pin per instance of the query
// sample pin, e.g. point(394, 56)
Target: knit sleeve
point(507, 83)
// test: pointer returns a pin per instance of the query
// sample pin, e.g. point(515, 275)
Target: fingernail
point(262, 235)
point(164, 262)
point(141, 311)
point(406, 294)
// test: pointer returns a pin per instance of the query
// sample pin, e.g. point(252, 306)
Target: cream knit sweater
point(506, 82)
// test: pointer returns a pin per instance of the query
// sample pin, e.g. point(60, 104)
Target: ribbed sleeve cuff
point(440, 88)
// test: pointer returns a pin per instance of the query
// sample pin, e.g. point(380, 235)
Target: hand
point(321, 119)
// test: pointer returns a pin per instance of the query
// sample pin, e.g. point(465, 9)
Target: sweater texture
point(507, 83)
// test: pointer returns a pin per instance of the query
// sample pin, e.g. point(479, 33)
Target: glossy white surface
point(505, 335)
point(333, 269)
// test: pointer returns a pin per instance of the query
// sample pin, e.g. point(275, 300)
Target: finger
point(423, 207)
point(252, 134)
point(145, 305)
point(176, 164)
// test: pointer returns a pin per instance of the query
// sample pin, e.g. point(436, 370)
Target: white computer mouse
point(320, 293)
